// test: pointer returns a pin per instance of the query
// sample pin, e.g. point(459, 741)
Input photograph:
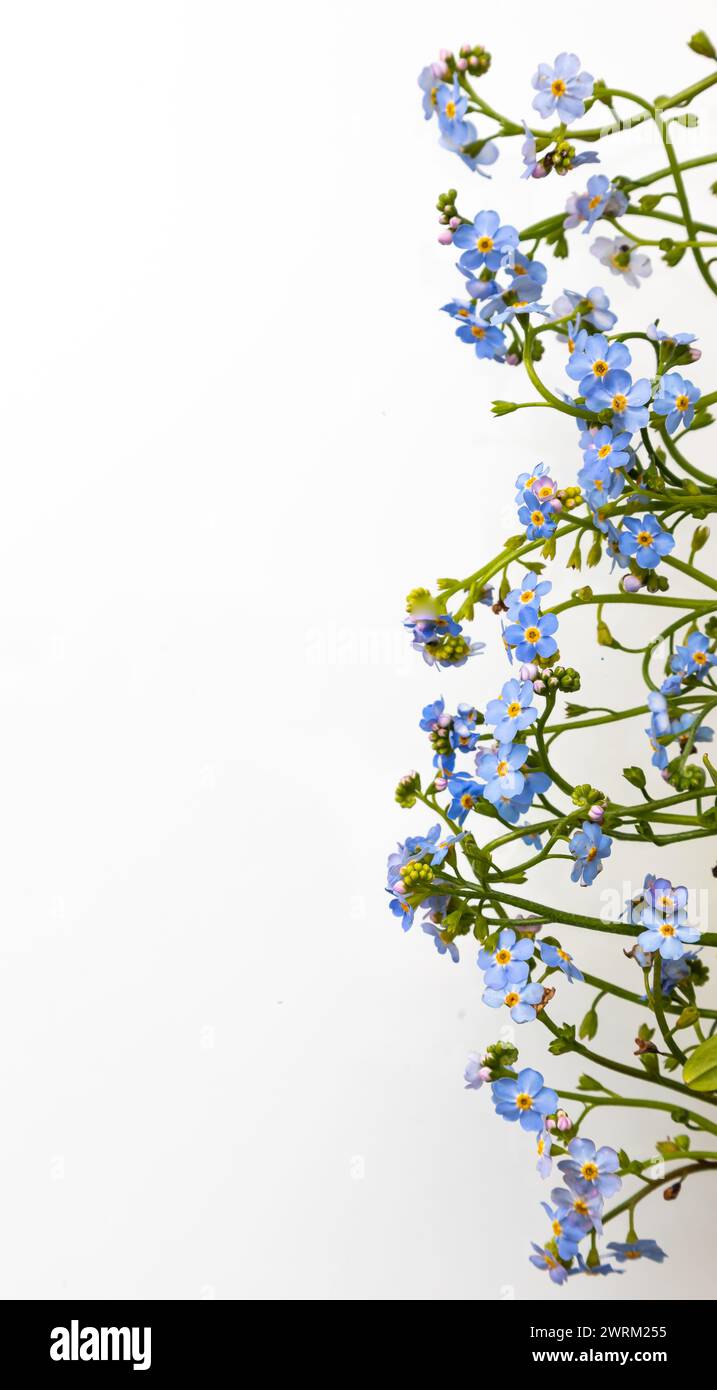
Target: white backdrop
point(236, 431)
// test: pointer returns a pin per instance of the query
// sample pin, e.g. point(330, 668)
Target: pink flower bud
point(440, 784)
point(528, 672)
point(444, 54)
point(563, 1121)
point(461, 64)
point(596, 813)
point(399, 886)
point(538, 687)
point(540, 171)
point(695, 354)
point(454, 222)
point(631, 583)
point(484, 1073)
point(445, 238)
point(444, 721)
point(555, 504)
point(550, 1123)
point(513, 359)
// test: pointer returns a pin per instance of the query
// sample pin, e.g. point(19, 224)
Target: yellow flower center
point(604, 450)
point(502, 957)
point(527, 596)
point(667, 929)
point(450, 109)
point(619, 403)
point(558, 87)
point(467, 801)
point(667, 902)
point(564, 955)
point(519, 270)
point(512, 999)
point(502, 768)
point(477, 331)
point(598, 484)
point(699, 657)
point(644, 537)
point(632, 1254)
point(537, 518)
point(532, 634)
point(594, 202)
point(571, 344)
point(514, 708)
point(600, 368)
point(434, 96)
point(589, 1171)
point(682, 402)
point(581, 1206)
point(545, 490)
point(557, 1228)
point(591, 854)
point(463, 313)
point(485, 244)
point(524, 1101)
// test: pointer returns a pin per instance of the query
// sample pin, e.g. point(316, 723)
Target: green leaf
point(635, 776)
point(588, 1083)
point(700, 1071)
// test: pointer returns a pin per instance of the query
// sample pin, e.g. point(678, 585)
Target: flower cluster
point(500, 801)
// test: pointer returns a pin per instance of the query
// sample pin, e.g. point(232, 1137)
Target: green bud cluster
point(451, 650)
point(416, 875)
point(446, 204)
point(553, 678)
point(585, 795)
point(407, 788)
point(570, 497)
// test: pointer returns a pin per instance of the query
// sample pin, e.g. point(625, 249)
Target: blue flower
point(520, 998)
point(534, 168)
point(658, 335)
point(504, 780)
point(464, 734)
point(562, 88)
point(636, 1250)
point(524, 1098)
point(527, 595)
point(436, 844)
point(545, 1259)
point(593, 308)
point(676, 399)
point(519, 297)
point(664, 914)
point(612, 546)
point(599, 483)
point(452, 107)
point(507, 965)
point(627, 399)
point(590, 364)
point(514, 710)
point(526, 481)
point(580, 1201)
point(434, 716)
point(544, 1144)
point(693, 658)
point(465, 792)
point(538, 521)
point(442, 946)
point(597, 1167)
point(430, 85)
point(568, 1231)
point(675, 972)
point(588, 847)
point(600, 200)
point(487, 340)
point(532, 634)
point(621, 257)
point(606, 446)
point(644, 538)
point(556, 957)
point(484, 241)
point(462, 144)
point(459, 309)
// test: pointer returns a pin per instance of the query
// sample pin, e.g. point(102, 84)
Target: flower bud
point(631, 584)
point(596, 813)
point(528, 672)
point(563, 1120)
point(445, 238)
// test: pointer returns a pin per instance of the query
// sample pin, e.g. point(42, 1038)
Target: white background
point(236, 431)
